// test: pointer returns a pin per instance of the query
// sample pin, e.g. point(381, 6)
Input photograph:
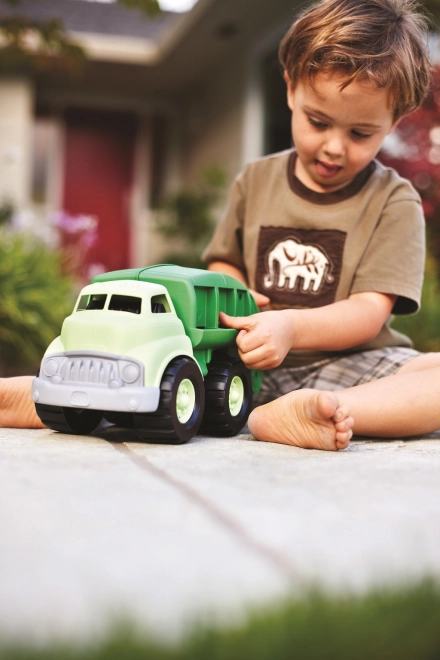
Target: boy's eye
point(317, 124)
point(360, 135)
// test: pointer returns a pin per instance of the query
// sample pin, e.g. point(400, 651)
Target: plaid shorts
point(335, 373)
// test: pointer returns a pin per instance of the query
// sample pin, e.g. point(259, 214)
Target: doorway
point(98, 179)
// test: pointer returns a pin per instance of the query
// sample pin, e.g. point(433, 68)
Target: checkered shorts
point(335, 373)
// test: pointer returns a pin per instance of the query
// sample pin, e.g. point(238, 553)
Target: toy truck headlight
point(50, 366)
point(130, 373)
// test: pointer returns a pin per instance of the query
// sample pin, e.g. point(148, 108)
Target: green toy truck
point(143, 349)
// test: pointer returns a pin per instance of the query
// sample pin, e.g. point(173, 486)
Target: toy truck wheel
point(124, 420)
point(181, 405)
point(78, 421)
point(228, 389)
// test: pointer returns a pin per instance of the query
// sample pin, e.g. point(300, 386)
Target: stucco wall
point(16, 117)
point(212, 122)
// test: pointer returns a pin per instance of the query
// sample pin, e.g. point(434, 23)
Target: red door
point(98, 177)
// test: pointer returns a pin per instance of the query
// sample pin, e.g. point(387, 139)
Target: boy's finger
point(236, 322)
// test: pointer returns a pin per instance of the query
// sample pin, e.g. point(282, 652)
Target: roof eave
point(131, 50)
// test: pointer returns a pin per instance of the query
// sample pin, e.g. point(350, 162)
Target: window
point(130, 304)
point(160, 305)
point(277, 124)
point(95, 301)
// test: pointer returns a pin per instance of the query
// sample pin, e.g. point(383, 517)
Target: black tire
point(219, 419)
point(122, 419)
point(164, 425)
point(77, 421)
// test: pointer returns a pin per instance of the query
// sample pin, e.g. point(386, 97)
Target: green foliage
point(6, 213)
point(424, 327)
point(34, 299)
point(417, 156)
point(35, 45)
point(384, 625)
point(188, 217)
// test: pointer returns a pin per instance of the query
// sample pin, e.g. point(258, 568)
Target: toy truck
point(143, 349)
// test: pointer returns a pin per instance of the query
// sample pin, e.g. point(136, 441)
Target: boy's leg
point(421, 362)
point(400, 405)
point(17, 409)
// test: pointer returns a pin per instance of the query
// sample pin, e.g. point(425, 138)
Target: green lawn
point(424, 327)
point(393, 625)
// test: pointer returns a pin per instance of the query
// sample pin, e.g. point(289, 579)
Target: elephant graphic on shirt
point(290, 261)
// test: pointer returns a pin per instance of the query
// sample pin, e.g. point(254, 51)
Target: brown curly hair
point(381, 41)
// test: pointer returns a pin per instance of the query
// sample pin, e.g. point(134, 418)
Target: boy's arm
point(265, 339)
point(233, 271)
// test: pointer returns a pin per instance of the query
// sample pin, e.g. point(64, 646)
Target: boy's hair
point(381, 41)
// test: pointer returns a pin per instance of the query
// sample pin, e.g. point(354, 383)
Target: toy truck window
point(95, 301)
point(160, 305)
point(130, 304)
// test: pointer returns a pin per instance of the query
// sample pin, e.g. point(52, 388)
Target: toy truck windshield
point(118, 303)
point(158, 304)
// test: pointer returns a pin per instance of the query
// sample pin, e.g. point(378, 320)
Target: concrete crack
point(278, 561)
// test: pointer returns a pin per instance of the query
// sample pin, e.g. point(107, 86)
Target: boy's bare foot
point(17, 409)
point(304, 418)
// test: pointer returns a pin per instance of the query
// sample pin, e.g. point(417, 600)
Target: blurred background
point(122, 124)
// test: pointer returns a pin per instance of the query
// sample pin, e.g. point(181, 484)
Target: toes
point(343, 439)
point(341, 413)
point(345, 425)
point(326, 405)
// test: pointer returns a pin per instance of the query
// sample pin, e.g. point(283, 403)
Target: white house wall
point(213, 122)
point(16, 119)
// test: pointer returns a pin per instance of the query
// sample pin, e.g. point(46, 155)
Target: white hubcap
point(185, 401)
point(236, 396)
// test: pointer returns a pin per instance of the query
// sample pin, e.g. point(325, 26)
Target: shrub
point(187, 217)
point(424, 327)
point(35, 297)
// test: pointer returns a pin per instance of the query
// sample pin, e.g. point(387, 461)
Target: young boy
point(331, 242)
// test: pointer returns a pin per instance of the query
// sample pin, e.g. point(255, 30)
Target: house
point(157, 101)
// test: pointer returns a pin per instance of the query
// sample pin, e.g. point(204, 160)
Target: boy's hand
point(260, 298)
point(264, 339)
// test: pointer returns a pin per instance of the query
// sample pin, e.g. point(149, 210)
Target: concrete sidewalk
point(98, 528)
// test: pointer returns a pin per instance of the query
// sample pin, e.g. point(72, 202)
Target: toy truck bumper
point(95, 397)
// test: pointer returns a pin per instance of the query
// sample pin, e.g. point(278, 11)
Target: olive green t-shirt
point(306, 249)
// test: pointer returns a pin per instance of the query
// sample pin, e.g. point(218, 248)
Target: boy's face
point(336, 133)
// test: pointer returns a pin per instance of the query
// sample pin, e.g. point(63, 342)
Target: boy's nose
point(334, 145)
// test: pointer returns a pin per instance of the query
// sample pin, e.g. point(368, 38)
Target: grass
point(402, 624)
point(424, 327)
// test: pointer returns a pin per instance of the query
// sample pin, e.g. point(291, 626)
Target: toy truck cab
point(143, 348)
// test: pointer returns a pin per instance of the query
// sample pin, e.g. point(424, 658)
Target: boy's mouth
point(327, 169)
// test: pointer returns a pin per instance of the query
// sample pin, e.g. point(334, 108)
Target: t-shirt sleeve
point(393, 261)
point(227, 241)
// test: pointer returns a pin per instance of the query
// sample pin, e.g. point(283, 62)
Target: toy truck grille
point(91, 369)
